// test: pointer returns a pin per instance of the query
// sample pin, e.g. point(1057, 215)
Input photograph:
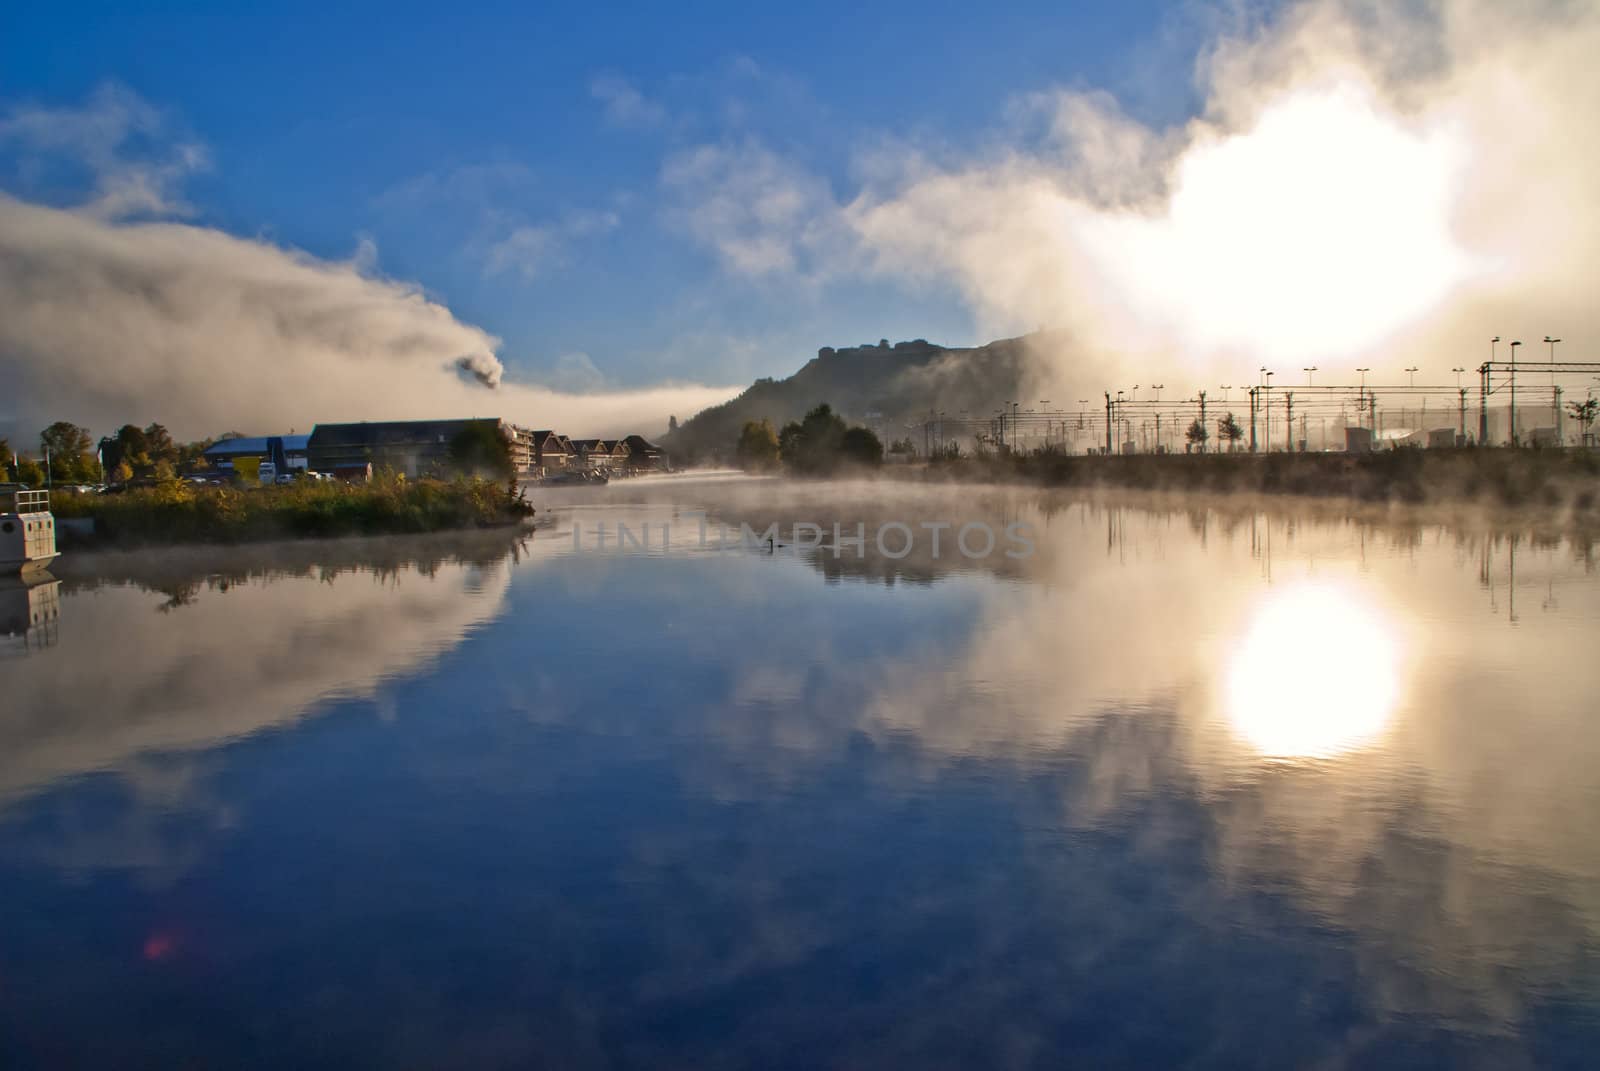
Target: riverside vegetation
point(176, 511)
point(1494, 478)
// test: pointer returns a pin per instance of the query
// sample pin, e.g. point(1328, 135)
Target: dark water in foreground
point(1213, 789)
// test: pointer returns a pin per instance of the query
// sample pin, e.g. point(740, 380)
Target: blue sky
point(543, 169)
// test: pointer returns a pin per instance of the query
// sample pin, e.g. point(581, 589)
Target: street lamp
point(1308, 372)
point(1412, 372)
point(1225, 389)
point(1157, 387)
point(1458, 372)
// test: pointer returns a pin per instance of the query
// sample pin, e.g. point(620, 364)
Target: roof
point(255, 444)
point(638, 444)
point(393, 432)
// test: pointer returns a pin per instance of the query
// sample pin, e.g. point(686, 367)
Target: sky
point(617, 211)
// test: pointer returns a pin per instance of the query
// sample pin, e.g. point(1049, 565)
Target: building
point(1357, 440)
point(552, 452)
point(409, 447)
point(521, 448)
point(644, 455)
point(221, 455)
point(601, 453)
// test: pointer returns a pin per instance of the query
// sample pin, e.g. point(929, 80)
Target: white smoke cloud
point(1365, 182)
point(110, 314)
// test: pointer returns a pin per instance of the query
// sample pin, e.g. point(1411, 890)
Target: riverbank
point(179, 512)
point(1565, 481)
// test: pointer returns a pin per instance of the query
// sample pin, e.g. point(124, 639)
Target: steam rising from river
point(1365, 182)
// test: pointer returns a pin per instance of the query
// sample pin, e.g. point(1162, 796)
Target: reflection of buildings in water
point(30, 608)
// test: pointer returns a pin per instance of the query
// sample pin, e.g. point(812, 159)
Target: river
point(1145, 783)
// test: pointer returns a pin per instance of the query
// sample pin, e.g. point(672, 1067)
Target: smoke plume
point(106, 323)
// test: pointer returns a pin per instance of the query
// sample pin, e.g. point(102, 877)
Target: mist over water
point(1271, 785)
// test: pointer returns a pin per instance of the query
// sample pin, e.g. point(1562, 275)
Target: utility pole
point(1462, 433)
point(1108, 423)
point(1288, 425)
point(1252, 420)
point(1514, 346)
point(1202, 419)
point(1483, 404)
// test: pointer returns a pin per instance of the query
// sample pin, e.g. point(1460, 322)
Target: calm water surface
point(1204, 787)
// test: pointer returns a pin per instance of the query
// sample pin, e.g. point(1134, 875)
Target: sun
point(1316, 674)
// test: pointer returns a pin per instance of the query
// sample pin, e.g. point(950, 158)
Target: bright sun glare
point(1323, 228)
point(1316, 675)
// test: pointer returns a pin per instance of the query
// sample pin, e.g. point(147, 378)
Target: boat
point(27, 531)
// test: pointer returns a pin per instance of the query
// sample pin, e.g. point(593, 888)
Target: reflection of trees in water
point(182, 574)
point(1127, 519)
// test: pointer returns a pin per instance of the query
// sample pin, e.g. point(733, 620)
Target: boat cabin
point(27, 530)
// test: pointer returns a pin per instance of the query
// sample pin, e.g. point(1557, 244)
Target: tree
point(481, 449)
point(1585, 413)
point(1229, 431)
point(159, 444)
point(816, 447)
point(757, 448)
point(860, 446)
point(70, 451)
point(902, 446)
point(1197, 435)
point(122, 473)
point(29, 472)
point(6, 459)
point(672, 424)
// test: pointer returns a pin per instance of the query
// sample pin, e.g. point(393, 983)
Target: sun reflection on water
point(1316, 675)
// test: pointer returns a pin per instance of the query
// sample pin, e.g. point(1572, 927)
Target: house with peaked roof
point(551, 452)
point(644, 455)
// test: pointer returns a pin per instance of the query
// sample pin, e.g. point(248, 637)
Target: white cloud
point(133, 165)
point(761, 214)
point(1364, 183)
point(624, 104)
point(108, 323)
point(531, 250)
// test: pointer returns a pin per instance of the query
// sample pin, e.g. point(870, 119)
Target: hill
point(888, 388)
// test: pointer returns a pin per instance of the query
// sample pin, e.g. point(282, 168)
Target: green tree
point(159, 444)
point(817, 442)
point(481, 449)
point(71, 452)
point(860, 446)
point(1197, 435)
point(6, 459)
point(121, 474)
point(29, 472)
point(757, 448)
point(1229, 431)
point(128, 445)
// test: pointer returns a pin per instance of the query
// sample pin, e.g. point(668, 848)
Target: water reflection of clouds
point(1444, 773)
point(238, 657)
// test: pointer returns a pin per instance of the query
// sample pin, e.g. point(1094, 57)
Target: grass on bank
point(181, 512)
